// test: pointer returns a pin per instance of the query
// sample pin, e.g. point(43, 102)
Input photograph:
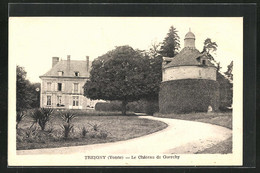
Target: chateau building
point(62, 85)
point(189, 81)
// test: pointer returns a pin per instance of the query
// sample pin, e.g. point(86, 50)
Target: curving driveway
point(180, 137)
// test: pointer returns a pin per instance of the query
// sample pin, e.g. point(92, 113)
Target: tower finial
point(189, 29)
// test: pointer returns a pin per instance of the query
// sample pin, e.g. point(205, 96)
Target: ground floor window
point(75, 101)
point(59, 100)
point(48, 100)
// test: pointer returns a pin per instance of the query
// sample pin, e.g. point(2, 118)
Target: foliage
point(171, 44)
point(67, 129)
point(122, 74)
point(225, 92)
point(19, 117)
point(84, 131)
point(108, 107)
point(188, 95)
point(67, 117)
point(209, 47)
point(26, 95)
point(42, 116)
point(229, 72)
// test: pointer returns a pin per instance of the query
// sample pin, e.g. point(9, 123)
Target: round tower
point(188, 81)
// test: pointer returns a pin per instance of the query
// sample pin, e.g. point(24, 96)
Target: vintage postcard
point(125, 91)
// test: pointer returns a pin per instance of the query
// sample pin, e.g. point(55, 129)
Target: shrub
point(67, 117)
point(67, 129)
point(95, 127)
point(42, 116)
point(19, 117)
point(84, 131)
point(151, 107)
point(112, 106)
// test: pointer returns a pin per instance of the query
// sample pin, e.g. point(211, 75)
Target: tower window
point(76, 73)
point(204, 62)
point(59, 86)
point(60, 73)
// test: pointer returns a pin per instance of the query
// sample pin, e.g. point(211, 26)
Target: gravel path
point(180, 137)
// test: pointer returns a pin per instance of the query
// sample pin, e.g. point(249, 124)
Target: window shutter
point(79, 89)
point(63, 87)
point(55, 86)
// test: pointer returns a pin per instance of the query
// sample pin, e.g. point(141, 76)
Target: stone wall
point(189, 72)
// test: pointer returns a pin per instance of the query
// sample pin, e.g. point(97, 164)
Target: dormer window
point(203, 62)
point(60, 73)
point(76, 73)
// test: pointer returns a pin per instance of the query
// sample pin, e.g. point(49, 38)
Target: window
point(76, 87)
point(76, 73)
point(75, 101)
point(48, 100)
point(48, 86)
point(59, 100)
point(59, 86)
point(60, 73)
point(204, 62)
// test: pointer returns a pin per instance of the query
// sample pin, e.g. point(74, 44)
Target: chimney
point(68, 62)
point(55, 60)
point(87, 59)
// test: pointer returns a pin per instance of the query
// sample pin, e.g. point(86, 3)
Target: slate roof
point(75, 66)
point(189, 35)
point(187, 56)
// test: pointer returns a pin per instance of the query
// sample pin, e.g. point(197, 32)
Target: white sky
point(33, 41)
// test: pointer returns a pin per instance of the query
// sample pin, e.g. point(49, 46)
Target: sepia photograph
point(125, 91)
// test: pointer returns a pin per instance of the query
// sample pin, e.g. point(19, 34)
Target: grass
point(110, 128)
point(216, 118)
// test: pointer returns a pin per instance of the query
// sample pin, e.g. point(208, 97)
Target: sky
point(33, 41)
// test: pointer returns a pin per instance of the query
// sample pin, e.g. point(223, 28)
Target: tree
point(26, 95)
point(209, 47)
point(229, 71)
point(121, 74)
point(171, 43)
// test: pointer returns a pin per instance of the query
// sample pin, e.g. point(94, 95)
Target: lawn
point(216, 118)
point(99, 129)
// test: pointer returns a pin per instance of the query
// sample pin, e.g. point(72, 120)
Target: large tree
point(229, 72)
point(121, 74)
point(171, 43)
point(27, 94)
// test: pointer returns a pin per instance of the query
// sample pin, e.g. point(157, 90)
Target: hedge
point(188, 95)
point(141, 106)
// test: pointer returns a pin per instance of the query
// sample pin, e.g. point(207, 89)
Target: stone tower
point(188, 81)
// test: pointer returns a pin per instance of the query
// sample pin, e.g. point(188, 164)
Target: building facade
point(189, 81)
point(62, 85)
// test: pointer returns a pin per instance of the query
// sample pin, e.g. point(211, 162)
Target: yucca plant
point(42, 117)
point(67, 117)
point(19, 117)
point(67, 129)
point(84, 131)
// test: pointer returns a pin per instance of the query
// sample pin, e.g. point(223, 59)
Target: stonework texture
point(189, 72)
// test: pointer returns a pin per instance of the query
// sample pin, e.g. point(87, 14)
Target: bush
point(67, 117)
point(42, 117)
point(19, 117)
point(108, 107)
point(67, 129)
point(84, 131)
